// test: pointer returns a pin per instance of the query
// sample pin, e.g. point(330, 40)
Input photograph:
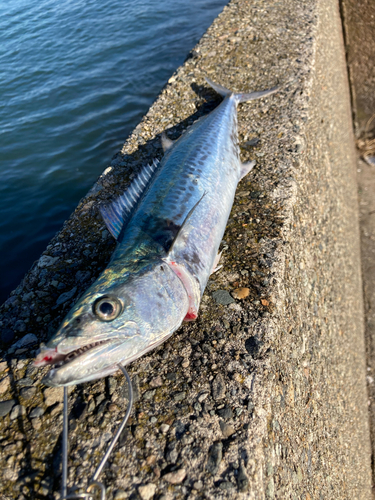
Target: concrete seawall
point(359, 28)
point(263, 397)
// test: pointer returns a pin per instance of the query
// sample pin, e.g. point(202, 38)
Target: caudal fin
point(240, 97)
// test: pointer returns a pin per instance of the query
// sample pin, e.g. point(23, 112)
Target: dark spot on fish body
point(192, 258)
point(186, 198)
point(195, 258)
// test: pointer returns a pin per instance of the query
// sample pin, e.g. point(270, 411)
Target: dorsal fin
point(117, 214)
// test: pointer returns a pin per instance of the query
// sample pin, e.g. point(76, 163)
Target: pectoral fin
point(184, 225)
point(246, 168)
point(166, 142)
point(215, 266)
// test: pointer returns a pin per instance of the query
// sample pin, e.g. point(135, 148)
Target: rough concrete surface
point(366, 180)
point(264, 397)
point(359, 27)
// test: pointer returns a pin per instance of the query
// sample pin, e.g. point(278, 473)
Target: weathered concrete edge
point(359, 27)
point(275, 377)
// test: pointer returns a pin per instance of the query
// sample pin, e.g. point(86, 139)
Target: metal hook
point(94, 483)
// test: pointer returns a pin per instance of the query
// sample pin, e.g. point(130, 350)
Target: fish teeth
point(81, 350)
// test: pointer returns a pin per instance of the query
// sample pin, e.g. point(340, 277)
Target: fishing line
point(94, 483)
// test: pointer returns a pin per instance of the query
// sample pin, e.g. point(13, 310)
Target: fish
point(168, 225)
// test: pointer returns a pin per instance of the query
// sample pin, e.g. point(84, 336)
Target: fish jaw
point(97, 362)
point(48, 356)
point(153, 304)
point(101, 360)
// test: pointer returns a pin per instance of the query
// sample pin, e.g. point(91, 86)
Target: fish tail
point(240, 97)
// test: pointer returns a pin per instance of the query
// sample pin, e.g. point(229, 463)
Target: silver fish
point(168, 225)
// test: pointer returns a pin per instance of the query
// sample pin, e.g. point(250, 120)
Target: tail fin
point(240, 97)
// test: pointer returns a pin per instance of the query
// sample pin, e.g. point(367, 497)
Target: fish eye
point(107, 308)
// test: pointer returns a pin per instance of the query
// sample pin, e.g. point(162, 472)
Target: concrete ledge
point(359, 26)
point(261, 398)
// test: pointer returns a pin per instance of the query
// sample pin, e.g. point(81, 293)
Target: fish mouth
point(50, 356)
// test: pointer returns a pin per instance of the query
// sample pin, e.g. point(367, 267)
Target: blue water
point(75, 78)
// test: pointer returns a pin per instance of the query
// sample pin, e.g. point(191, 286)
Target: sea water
point(76, 76)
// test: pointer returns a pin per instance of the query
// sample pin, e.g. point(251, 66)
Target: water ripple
point(75, 78)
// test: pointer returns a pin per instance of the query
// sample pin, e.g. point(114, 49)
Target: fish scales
point(204, 161)
point(168, 225)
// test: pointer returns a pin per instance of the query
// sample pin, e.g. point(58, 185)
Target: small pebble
point(17, 411)
point(99, 399)
point(198, 485)
point(57, 409)
point(226, 429)
point(225, 413)
point(179, 396)
point(53, 395)
point(149, 395)
point(25, 382)
point(47, 261)
point(241, 293)
point(6, 406)
point(214, 458)
point(36, 423)
point(36, 412)
point(202, 397)
point(64, 297)
point(226, 485)
point(242, 479)
point(27, 340)
point(252, 142)
point(218, 387)
point(156, 382)
point(112, 384)
point(223, 297)
point(175, 477)
point(164, 428)
point(151, 460)
point(91, 406)
point(27, 392)
point(147, 491)
point(120, 495)
point(4, 384)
